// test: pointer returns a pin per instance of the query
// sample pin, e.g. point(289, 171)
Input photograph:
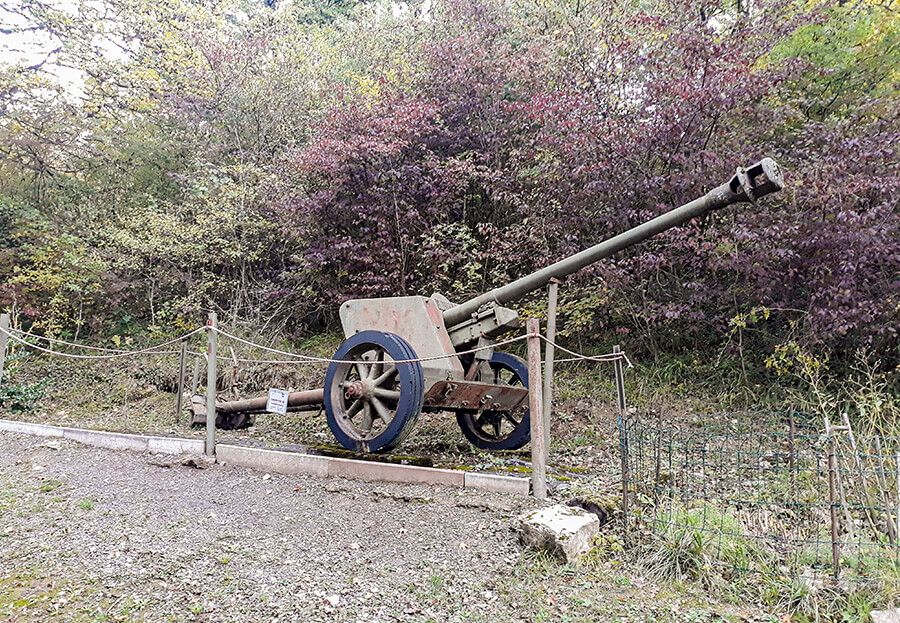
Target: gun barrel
point(749, 184)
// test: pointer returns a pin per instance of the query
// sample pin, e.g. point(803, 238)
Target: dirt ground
point(96, 535)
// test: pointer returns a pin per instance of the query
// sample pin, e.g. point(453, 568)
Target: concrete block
point(175, 445)
point(274, 461)
point(26, 428)
point(101, 439)
point(388, 472)
point(886, 616)
point(104, 439)
point(562, 531)
point(498, 484)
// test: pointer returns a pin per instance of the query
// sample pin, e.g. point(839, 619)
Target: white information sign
point(278, 399)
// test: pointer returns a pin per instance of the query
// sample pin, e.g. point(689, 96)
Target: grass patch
point(699, 542)
point(50, 485)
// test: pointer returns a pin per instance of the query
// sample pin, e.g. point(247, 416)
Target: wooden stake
point(4, 343)
point(195, 377)
point(181, 362)
point(549, 355)
point(619, 368)
point(535, 404)
point(792, 460)
point(832, 498)
point(897, 465)
point(885, 494)
point(212, 340)
point(622, 425)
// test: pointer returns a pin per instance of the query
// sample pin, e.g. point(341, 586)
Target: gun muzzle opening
point(758, 180)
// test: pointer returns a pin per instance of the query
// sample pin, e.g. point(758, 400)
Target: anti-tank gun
point(404, 355)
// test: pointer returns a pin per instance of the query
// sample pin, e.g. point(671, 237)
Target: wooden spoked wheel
point(499, 430)
point(374, 393)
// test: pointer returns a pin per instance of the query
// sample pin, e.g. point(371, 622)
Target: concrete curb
point(113, 441)
point(280, 462)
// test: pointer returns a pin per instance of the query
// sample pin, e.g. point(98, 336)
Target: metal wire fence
point(804, 498)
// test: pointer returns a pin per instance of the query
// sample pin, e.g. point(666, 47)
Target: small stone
point(563, 532)
point(333, 600)
point(266, 476)
point(198, 461)
point(886, 616)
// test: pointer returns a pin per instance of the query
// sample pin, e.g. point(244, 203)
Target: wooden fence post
point(180, 385)
point(4, 343)
point(212, 339)
point(792, 457)
point(549, 355)
point(623, 430)
point(535, 405)
point(195, 377)
point(620, 381)
point(833, 502)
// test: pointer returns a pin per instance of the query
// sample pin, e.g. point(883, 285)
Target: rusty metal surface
point(310, 397)
point(416, 319)
point(488, 323)
point(475, 396)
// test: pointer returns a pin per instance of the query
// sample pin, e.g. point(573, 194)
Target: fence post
point(181, 362)
point(4, 343)
point(897, 466)
point(195, 377)
point(549, 355)
point(620, 380)
point(535, 404)
point(212, 339)
point(792, 461)
point(832, 499)
point(623, 432)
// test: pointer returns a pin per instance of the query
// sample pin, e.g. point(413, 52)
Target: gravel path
point(90, 534)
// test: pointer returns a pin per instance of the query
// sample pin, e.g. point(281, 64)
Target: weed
point(50, 485)
point(696, 542)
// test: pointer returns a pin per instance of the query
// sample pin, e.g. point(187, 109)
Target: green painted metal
point(747, 185)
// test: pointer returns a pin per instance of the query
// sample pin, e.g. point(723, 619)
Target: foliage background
point(270, 161)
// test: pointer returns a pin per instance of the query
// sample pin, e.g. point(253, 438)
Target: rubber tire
point(521, 435)
point(412, 392)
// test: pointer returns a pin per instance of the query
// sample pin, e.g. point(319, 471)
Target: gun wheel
point(373, 398)
point(499, 430)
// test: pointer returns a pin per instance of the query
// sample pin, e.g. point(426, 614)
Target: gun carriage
point(405, 355)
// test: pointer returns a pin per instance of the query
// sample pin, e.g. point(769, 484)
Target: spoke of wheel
point(381, 411)
point(375, 368)
point(391, 371)
point(509, 417)
point(496, 376)
point(392, 394)
point(362, 370)
point(354, 408)
point(497, 422)
point(479, 421)
point(367, 420)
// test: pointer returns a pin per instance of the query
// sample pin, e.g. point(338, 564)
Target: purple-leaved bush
point(510, 151)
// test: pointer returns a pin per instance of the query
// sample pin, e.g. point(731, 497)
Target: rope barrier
point(298, 359)
point(609, 357)
point(304, 359)
point(114, 353)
